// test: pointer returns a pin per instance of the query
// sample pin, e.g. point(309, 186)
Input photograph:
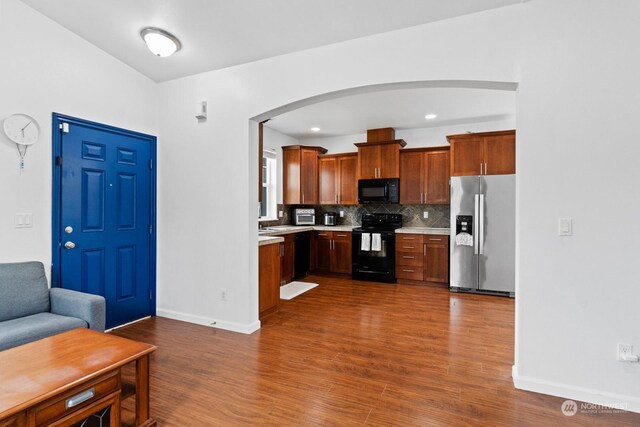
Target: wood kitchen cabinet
point(436, 258)
point(269, 262)
point(300, 174)
point(333, 251)
point(422, 258)
point(486, 153)
point(337, 183)
point(424, 176)
point(379, 159)
point(287, 254)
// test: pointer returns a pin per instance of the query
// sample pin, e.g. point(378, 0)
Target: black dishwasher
point(302, 254)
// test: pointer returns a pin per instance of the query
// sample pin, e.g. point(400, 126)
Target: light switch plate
point(425, 214)
point(565, 226)
point(24, 220)
point(341, 214)
point(280, 214)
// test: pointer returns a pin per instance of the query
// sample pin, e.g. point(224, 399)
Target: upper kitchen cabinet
point(487, 153)
point(337, 179)
point(379, 159)
point(424, 176)
point(300, 174)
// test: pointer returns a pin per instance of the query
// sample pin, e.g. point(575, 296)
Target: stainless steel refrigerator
point(482, 244)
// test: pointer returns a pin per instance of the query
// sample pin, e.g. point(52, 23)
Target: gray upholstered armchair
point(29, 310)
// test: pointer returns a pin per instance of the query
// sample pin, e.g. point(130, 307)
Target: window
point(268, 206)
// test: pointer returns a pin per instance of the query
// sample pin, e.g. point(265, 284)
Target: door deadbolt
point(68, 229)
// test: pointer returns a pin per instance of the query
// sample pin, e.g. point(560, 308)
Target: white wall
point(45, 68)
point(415, 138)
point(577, 102)
point(274, 140)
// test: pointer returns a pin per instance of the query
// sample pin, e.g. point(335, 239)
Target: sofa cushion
point(23, 290)
point(30, 328)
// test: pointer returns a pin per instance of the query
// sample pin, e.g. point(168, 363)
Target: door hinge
point(64, 127)
point(150, 229)
point(150, 294)
point(58, 160)
point(151, 164)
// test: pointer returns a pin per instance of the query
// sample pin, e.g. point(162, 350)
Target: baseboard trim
point(215, 323)
point(596, 397)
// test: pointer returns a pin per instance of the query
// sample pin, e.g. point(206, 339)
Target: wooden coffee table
point(63, 379)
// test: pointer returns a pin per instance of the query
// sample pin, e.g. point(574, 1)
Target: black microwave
point(384, 190)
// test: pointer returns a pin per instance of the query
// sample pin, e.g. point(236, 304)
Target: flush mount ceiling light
point(160, 42)
point(315, 129)
point(430, 116)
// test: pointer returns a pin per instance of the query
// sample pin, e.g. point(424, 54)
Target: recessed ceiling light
point(160, 42)
point(430, 116)
point(315, 129)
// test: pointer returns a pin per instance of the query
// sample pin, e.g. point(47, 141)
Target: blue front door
point(105, 216)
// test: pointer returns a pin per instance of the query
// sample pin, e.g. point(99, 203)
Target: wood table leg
point(142, 390)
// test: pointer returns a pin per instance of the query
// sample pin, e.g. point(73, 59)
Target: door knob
point(69, 245)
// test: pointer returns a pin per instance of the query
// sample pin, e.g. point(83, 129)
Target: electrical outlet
point(223, 294)
point(425, 214)
point(625, 353)
point(280, 214)
point(341, 214)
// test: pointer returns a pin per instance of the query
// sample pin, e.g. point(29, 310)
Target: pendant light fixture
point(162, 43)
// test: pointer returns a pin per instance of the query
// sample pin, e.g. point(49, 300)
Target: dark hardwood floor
point(350, 353)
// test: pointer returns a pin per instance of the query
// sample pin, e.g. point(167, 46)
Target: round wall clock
point(21, 129)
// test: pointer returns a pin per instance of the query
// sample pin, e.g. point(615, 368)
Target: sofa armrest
point(88, 307)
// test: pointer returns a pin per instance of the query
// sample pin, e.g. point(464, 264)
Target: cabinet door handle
point(342, 235)
point(339, 197)
point(303, 198)
point(408, 238)
point(408, 247)
point(424, 250)
point(485, 168)
point(322, 234)
point(435, 240)
point(480, 168)
point(425, 198)
point(408, 271)
point(408, 257)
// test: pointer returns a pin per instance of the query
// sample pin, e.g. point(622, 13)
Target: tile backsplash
point(412, 215)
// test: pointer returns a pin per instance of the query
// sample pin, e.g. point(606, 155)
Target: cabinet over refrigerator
point(482, 245)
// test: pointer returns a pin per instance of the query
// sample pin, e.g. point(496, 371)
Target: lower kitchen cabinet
point(269, 259)
point(333, 251)
point(422, 258)
point(436, 258)
point(287, 258)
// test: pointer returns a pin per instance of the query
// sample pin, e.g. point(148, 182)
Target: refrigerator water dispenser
point(464, 224)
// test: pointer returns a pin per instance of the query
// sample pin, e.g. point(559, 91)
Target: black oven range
point(373, 248)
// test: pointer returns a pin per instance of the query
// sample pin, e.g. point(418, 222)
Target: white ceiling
point(221, 33)
point(400, 109)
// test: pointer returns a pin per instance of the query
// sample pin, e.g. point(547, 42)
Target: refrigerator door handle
point(475, 225)
point(481, 234)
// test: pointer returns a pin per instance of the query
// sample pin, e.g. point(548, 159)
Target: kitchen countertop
point(268, 240)
point(424, 230)
point(288, 229)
